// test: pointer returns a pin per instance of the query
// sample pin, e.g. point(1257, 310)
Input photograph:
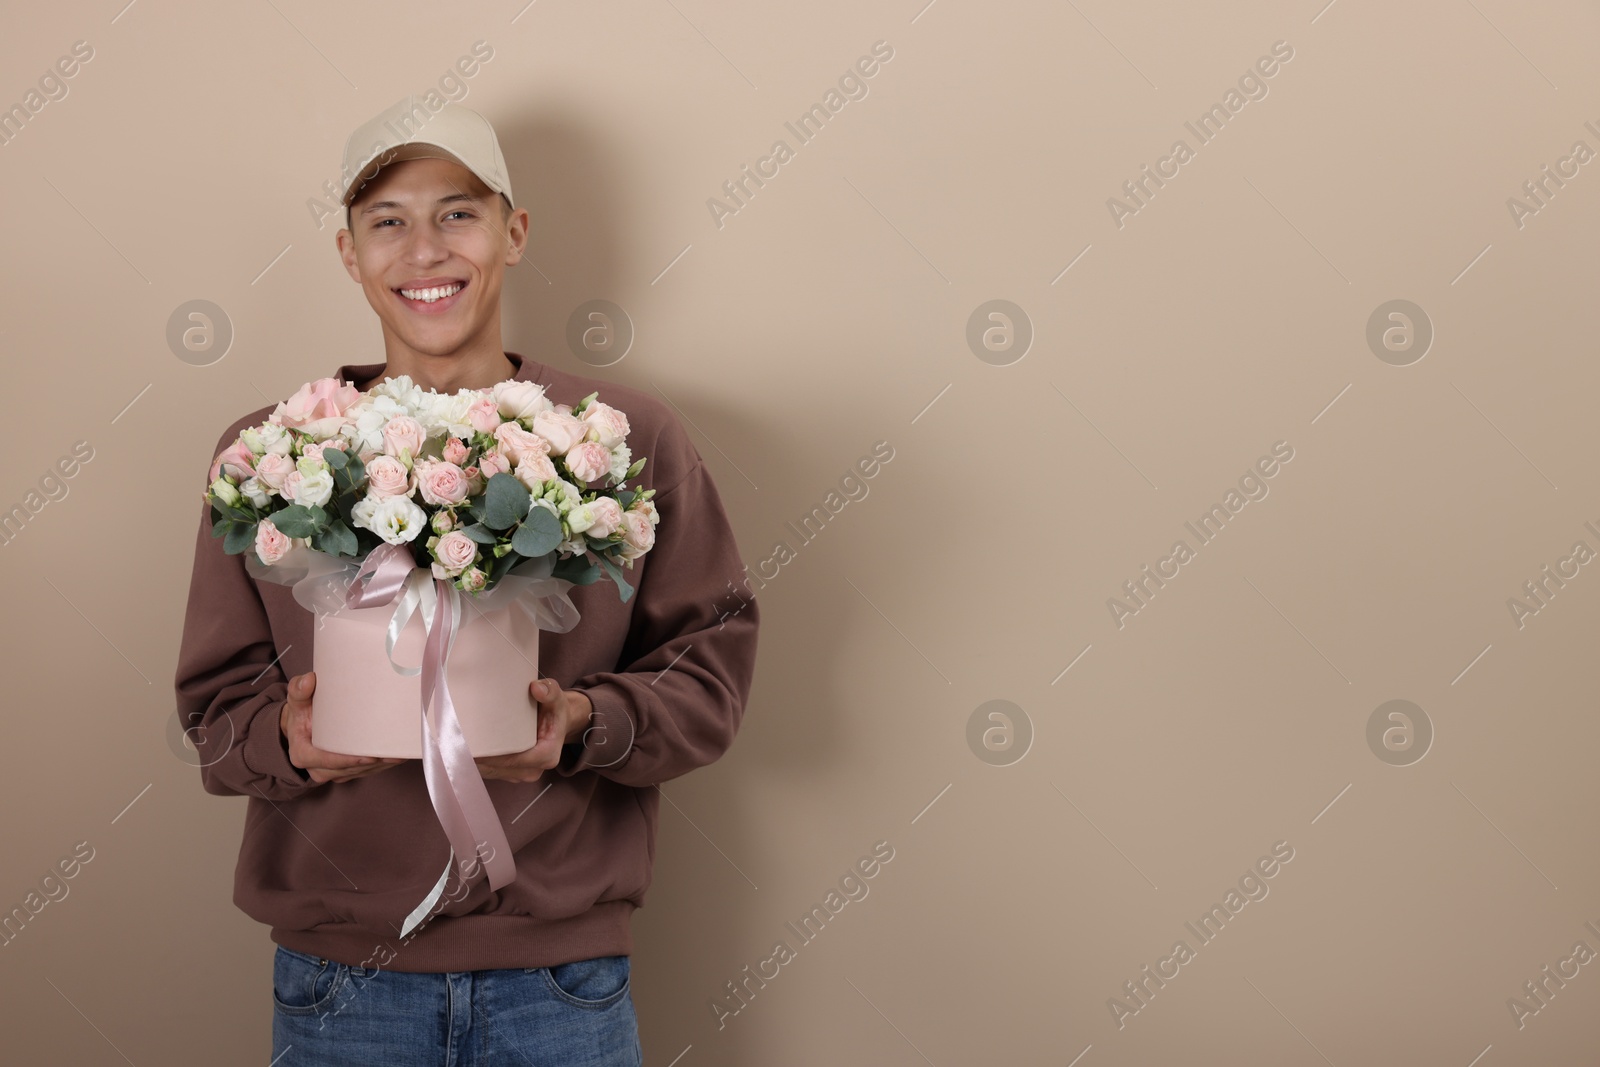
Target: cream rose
point(589, 461)
point(402, 433)
point(514, 442)
point(441, 483)
point(520, 400)
point(387, 476)
point(607, 425)
point(453, 553)
point(561, 429)
point(534, 469)
point(271, 544)
point(638, 535)
point(484, 414)
point(313, 490)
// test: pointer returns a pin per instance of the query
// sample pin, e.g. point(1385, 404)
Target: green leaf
point(337, 540)
point(335, 458)
point(505, 502)
point(625, 497)
point(295, 521)
point(576, 569)
point(539, 534)
point(220, 526)
point(240, 537)
point(623, 588)
point(356, 470)
point(481, 533)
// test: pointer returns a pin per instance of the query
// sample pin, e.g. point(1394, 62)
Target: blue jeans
point(573, 1015)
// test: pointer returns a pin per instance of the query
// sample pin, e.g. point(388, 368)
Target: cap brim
point(412, 150)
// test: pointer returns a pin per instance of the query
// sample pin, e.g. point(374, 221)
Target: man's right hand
point(294, 722)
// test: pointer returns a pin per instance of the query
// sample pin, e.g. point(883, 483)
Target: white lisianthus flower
point(252, 490)
point(580, 518)
point(395, 519)
point(314, 490)
point(576, 547)
point(268, 437)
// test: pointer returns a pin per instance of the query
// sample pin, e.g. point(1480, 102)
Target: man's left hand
point(563, 717)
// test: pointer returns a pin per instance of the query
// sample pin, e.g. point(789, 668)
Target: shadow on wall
point(702, 920)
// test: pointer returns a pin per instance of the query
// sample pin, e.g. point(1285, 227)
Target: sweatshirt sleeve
point(677, 700)
point(229, 683)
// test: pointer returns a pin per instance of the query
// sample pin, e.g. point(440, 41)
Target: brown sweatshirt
point(335, 868)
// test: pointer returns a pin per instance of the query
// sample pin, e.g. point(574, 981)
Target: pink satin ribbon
point(460, 798)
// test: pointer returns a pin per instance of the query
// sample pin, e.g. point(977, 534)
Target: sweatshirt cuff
point(266, 750)
point(607, 742)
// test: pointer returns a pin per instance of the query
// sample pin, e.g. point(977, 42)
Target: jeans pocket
point(597, 983)
point(304, 984)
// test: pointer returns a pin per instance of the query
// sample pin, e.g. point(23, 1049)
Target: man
point(338, 850)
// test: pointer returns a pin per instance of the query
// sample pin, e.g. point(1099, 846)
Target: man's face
point(429, 243)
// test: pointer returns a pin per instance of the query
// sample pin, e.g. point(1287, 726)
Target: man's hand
point(294, 722)
point(563, 717)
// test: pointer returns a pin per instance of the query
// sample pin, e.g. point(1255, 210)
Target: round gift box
point(363, 707)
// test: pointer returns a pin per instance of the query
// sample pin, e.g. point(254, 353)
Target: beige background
point(1228, 314)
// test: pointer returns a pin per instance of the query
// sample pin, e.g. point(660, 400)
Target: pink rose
point(403, 432)
point(456, 451)
point(312, 449)
point(318, 408)
point(484, 414)
point(271, 545)
point(560, 428)
point(608, 424)
point(441, 483)
point(638, 534)
point(454, 553)
point(387, 476)
point(236, 461)
point(607, 516)
point(534, 470)
point(492, 463)
point(272, 469)
point(516, 443)
point(589, 461)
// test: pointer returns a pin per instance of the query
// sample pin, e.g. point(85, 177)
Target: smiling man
point(378, 959)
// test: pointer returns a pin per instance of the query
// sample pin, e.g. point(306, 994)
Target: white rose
point(520, 400)
point(396, 519)
point(252, 490)
point(314, 490)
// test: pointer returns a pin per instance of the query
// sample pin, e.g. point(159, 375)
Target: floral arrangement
point(474, 482)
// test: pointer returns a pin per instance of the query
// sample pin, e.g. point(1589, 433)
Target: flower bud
point(225, 491)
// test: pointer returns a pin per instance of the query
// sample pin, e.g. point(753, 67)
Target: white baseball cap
point(408, 129)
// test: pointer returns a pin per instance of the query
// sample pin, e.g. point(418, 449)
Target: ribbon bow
point(459, 796)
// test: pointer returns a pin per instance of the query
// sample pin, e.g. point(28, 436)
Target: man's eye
point(461, 212)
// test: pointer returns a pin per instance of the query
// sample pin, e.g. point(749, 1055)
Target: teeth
point(430, 295)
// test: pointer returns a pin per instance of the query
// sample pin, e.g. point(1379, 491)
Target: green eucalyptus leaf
point(539, 534)
point(506, 501)
point(481, 533)
point(240, 537)
point(623, 588)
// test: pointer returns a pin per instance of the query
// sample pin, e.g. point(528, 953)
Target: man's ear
point(517, 231)
point(346, 243)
